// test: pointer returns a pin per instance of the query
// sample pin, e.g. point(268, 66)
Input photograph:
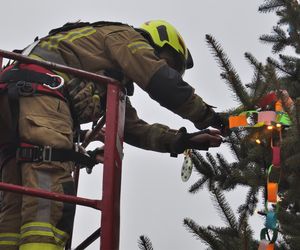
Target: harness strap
point(15, 75)
point(27, 80)
point(29, 89)
point(34, 153)
point(7, 151)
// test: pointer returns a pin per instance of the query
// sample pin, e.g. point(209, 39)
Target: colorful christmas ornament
point(271, 220)
point(272, 189)
point(266, 117)
point(276, 156)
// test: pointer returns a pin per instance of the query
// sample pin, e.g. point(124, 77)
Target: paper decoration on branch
point(265, 245)
point(271, 220)
point(276, 156)
point(266, 117)
point(187, 166)
point(254, 119)
point(272, 189)
point(276, 101)
point(271, 114)
point(238, 121)
point(272, 195)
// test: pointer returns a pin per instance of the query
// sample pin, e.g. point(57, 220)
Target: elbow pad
point(168, 88)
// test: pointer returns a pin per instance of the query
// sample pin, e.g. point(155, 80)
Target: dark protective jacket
point(118, 47)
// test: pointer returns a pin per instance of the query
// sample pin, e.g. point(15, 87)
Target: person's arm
point(160, 138)
point(137, 59)
point(138, 133)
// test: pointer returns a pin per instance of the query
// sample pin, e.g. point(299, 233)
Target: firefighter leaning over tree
point(39, 117)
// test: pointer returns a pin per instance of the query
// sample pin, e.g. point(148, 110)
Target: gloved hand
point(84, 100)
point(201, 140)
point(216, 120)
point(221, 122)
point(97, 154)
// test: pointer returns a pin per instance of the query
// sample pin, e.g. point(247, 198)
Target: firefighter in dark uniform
point(154, 57)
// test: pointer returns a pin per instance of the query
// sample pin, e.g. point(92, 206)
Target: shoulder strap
point(67, 27)
point(70, 26)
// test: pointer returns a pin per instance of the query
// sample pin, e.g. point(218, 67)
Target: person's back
point(102, 47)
point(106, 47)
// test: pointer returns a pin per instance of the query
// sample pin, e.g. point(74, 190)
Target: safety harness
point(33, 153)
point(27, 80)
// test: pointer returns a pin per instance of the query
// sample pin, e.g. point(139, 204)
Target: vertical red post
point(112, 168)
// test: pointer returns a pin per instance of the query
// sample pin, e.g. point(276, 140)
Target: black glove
point(201, 140)
point(216, 120)
point(97, 154)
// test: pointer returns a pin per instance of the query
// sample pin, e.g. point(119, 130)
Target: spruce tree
point(252, 160)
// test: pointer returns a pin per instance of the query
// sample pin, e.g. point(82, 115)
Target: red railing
point(113, 153)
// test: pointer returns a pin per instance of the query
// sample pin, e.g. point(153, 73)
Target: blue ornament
point(271, 220)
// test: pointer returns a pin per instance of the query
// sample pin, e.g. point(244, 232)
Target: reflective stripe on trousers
point(10, 239)
point(40, 246)
point(44, 229)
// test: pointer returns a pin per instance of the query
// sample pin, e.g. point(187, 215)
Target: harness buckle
point(35, 156)
point(47, 154)
point(28, 154)
point(25, 88)
point(55, 85)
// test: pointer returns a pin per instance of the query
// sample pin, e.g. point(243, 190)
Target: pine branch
point(271, 76)
point(228, 237)
point(213, 163)
point(258, 86)
point(196, 187)
point(278, 39)
point(291, 63)
point(279, 66)
point(246, 235)
point(254, 62)
point(224, 231)
point(205, 168)
point(201, 165)
point(203, 234)
point(249, 206)
point(235, 140)
point(286, 58)
point(225, 210)
point(271, 5)
point(224, 165)
point(229, 73)
point(144, 243)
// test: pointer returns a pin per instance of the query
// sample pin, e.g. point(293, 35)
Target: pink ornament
point(276, 156)
point(266, 117)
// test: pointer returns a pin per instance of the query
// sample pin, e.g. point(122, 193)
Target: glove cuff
point(183, 142)
point(93, 153)
point(208, 118)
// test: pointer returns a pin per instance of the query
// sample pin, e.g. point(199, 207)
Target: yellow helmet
point(162, 34)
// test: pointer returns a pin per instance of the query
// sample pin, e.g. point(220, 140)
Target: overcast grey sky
point(154, 199)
